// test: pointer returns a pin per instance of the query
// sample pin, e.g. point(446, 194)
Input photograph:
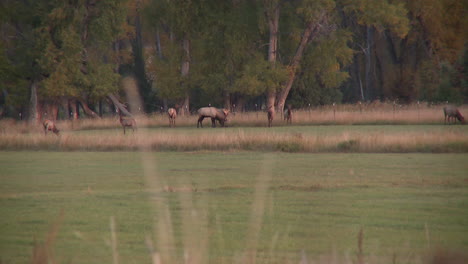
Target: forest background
point(66, 59)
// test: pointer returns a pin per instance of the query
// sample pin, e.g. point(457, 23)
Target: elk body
point(288, 114)
point(50, 125)
point(452, 113)
point(214, 114)
point(271, 116)
point(172, 113)
point(126, 121)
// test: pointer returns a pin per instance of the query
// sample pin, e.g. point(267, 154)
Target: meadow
point(232, 207)
point(373, 186)
point(346, 129)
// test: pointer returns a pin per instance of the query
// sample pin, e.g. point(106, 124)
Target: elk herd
point(220, 115)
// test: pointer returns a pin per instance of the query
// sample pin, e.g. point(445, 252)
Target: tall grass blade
point(115, 254)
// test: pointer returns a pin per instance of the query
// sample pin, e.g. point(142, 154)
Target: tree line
point(68, 57)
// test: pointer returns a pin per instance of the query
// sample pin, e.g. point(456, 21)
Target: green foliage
point(327, 57)
point(102, 79)
point(310, 10)
point(258, 76)
point(442, 24)
point(75, 43)
point(76, 48)
point(448, 89)
point(321, 71)
point(381, 14)
point(169, 82)
point(444, 82)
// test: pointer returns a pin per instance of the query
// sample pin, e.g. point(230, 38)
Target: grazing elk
point(288, 114)
point(50, 125)
point(126, 121)
point(214, 114)
point(451, 112)
point(271, 115)
point(172, 113)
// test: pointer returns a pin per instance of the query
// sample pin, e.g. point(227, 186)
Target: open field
point(383, 114)
point(344, 128)
point(234, 207)
point(312, 139)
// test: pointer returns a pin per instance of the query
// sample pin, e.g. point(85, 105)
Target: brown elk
point(271, 115)
point(50, 125)
point(172, 113)
point(288, 114)
point(452, 113)
point(214, 114)
point(126, 121)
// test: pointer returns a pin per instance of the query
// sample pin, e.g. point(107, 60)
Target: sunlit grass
point(288, 139)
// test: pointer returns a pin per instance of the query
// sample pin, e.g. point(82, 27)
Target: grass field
point(311, 139)
point(233, 207)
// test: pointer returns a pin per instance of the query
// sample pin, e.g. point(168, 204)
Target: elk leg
point(200, 121)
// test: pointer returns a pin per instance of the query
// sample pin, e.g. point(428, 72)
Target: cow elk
point(172, 113)
point(50, 125)
point(126, 121)
point(452, 113)
point(270, 115)
point(288, 114)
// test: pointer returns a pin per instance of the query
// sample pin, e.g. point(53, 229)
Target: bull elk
point(50, 125)
point(172, 113)
point(126, 121)
point(270, 115)
point(213, 113)
point(452, 113)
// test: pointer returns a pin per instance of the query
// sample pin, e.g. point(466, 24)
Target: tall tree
point(79, 59)
point(366, 18)
point(313, 16)
point(231, 60)
point(15, 53)
point(180, 20)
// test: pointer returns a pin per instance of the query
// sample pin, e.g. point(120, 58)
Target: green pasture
point(316, 129)
point(278, 203)
point(339, 129)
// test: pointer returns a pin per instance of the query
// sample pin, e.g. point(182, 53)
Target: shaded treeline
point(67, 58)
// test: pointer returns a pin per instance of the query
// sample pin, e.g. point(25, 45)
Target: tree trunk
point(86, 109)
point(35, 111)
point(54, 108)
point(273, 24)
point(158, 44)
point(240, 105)
point(118, 104)
point(227, 100)
point(184, 72)
point(74, 109)
point(369, 39)
point(100, 107)
point(306, 37)
point(65, 105)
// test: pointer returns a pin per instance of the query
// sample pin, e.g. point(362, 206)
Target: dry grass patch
point(445, 140)
point(106, 134)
